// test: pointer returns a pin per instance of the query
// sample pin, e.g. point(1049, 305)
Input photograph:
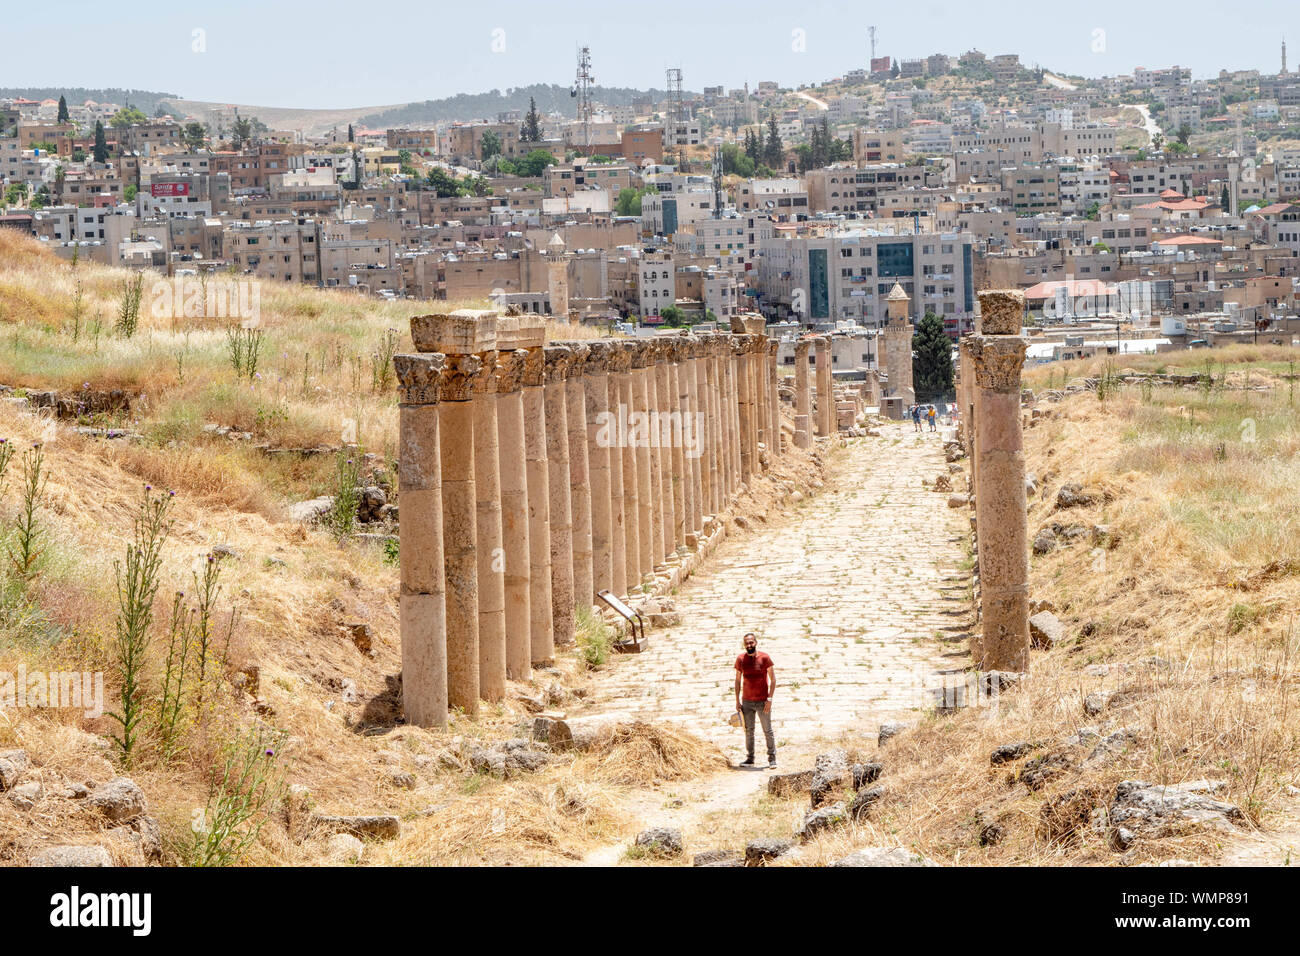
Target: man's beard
point(751, 650)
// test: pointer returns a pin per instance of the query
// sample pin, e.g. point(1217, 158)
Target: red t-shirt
point(753, 671)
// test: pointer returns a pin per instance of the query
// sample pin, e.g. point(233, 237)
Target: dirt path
point(857, 596)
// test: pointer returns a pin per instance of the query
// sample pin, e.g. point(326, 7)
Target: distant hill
point(146, 101)
point(467, 106)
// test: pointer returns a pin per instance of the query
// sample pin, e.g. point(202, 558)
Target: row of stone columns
point(534, 476)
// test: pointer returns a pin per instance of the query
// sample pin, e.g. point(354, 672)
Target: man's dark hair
point(750, 634)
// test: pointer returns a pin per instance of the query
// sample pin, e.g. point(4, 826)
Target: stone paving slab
point(850, 596)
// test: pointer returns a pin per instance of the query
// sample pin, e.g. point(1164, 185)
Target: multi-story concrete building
point(848, 274)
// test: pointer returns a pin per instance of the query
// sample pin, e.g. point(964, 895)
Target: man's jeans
point(748, 708)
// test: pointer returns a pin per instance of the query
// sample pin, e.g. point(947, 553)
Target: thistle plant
point(249, 779)
point(28, 544)
point(137, 585)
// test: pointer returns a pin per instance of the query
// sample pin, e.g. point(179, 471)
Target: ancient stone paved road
point(858, 597)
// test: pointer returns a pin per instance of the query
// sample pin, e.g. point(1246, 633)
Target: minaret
point(897, 342)
point(1283, 73)
point(557, 276)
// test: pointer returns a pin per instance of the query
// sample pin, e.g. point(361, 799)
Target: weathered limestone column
point(774, 397)
point(421, 604)
point(617, 361)
point(753, 364)
point(491, 553)
point(725, 406)
point(631, 481)
point(680, 491)
point(698, 490)
point(703, 431)
point(541, 627)
point(513, 457)
point(558, 360)
point(825, 388)
point(802, 395)
point(738, 454)
point(580, 477)
point(668, 439)
point(460, 528)
point(595, 386)
point(685, 379)
point(999, 354)
point(651, 378)
point(716, 425)
point(645, 504)
point(740, 346)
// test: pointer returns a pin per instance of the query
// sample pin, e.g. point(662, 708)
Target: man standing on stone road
point(755, 685)
point(933, 416)
point(916, 416)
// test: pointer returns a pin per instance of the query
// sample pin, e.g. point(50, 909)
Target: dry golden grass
point(1188, 602)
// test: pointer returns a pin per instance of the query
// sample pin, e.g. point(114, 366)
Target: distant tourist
point(933, 417)
point(916, 417)
point(755, 685)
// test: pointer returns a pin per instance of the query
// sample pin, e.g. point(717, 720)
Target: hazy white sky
point(333, 53)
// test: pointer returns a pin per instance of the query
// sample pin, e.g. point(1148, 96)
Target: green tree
point(442, 183)
point(773, 150)
point(352, 136)
point(736, 161)
point(490, 145)
point(1224, 200)
point(628, 202)
point(932, 370)
point(1184, 133)
point(194, 136)
point(127, 116)
point(753, 146)
point(63, 109)
point(101, 144)
point(534, 162)
point(241, 132)
point(673, 317)
point(531, 130)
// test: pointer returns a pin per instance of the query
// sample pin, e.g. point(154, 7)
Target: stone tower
point(897, 346)
point(557, 276)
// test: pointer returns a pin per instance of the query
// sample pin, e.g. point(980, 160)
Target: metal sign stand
point(636, 626)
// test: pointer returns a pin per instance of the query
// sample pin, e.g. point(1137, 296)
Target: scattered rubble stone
point(378, 827)
point(860, 804)
point(883, 856)
point(890, 729)
point(120, 800)
point(1152, 811)
point(758, 852)
point(819, 821)
point(1005, 753)
point(12, 765)
point(719, 858)
point(80, 856)
point(1046, 630)
point(661, 841)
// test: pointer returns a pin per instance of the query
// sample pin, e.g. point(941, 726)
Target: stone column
point(558, 360)
point(541, 618)
point(717, 478)
point(651, 379)
point(999, 354)
point(738, 455)
point(460, 529)
point(722, 390)
point(668, 440)
point(740, 347)
point(512, 446)
point(421, 604)
point(631, 481)
point(703, 432)
point(645, 504)
point(580, 478)
point(753, 362)
point(802, 395)
point(491, 552)
point(774, 397)
point(618, 364)
point(595, 384)
point(824, 388)
point(681, 463)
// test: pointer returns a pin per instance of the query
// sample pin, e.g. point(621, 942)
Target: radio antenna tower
point(871, 32)
point(582, 90)
point(717, 182)
point(676, 112)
